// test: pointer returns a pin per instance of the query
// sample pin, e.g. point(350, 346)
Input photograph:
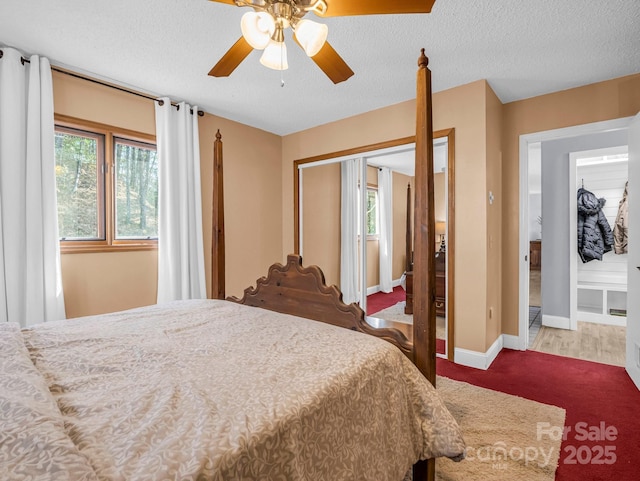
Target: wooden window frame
point(106, 211)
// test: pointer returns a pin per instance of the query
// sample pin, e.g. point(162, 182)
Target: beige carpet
point(501, 433)
point(396, 313)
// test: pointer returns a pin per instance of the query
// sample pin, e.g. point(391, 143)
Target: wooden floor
point(534, 287)
point(591, 342)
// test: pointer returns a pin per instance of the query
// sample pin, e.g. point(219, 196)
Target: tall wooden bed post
point(217, 238)
point(424, 280)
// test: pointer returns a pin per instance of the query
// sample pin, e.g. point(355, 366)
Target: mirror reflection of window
point(371, 212)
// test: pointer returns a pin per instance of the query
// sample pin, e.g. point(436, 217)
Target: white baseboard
point(556, 321)
point(374, 289)
point(512, 342)
point(479, 360)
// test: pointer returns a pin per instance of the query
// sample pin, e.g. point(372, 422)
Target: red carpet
point(378, 301)
point(600, 401)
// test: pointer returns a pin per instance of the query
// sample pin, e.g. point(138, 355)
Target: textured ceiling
point(166, 47)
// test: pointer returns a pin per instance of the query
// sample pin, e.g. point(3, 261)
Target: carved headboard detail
point(303, 292)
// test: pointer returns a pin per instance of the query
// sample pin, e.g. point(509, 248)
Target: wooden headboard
point(303, 292)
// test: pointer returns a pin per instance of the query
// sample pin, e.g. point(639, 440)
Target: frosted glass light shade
point(257, 28)
point(275, 56)
point(311, 36)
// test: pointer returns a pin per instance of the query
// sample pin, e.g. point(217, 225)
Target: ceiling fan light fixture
point(311, 36)
point(257, 29)
point(275, 56)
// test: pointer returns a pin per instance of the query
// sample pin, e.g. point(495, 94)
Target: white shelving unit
point(596, 302)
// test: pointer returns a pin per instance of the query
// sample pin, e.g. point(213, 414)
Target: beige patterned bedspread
point(220, 391)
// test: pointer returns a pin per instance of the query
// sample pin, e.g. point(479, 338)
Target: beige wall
point(373, 262)
point(95, 283)
point(607, 100)
point(252, 199)
point(321, 219)
point(105, 282)
point(494, 217)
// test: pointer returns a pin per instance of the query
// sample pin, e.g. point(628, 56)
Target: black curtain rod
point(99, 82)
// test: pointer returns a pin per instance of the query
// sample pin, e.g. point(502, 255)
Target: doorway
point(535, 241)
point(556, 195)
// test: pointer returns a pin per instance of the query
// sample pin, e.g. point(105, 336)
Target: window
point(107, 187)
point(136, 190)
point(371, 213)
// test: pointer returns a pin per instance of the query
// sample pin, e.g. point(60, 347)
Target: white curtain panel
point(349, 231)
point(180, 246)
point(30, 279)
point(385, 217)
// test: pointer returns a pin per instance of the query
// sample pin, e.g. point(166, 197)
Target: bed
point(231, 389)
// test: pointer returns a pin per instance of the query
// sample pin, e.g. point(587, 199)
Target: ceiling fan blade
point(343, 8)
point(332, 64)
point(234, 56)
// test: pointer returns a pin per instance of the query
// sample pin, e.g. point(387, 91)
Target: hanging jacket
point(621, 225)
point(594, 233)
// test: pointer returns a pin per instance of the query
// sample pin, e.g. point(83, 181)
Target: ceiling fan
point(263, 29)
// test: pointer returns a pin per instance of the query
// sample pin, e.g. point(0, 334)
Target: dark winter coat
point(594, 233)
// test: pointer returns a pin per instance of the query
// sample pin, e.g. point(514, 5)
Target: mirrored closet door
point(354, 219)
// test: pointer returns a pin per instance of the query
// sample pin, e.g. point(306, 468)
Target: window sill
point(97, 248)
